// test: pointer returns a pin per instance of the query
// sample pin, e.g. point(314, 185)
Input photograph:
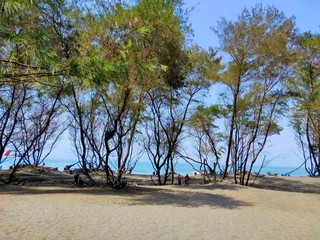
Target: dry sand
point(43, 209)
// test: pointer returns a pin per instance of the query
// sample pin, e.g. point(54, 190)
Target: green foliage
point(113, 58)
point(259, 43)
point(9, 7)
point(205, 116)
point(305, 92)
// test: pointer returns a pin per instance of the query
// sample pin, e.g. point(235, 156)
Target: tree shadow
point(288, 185)
point(39, 178)
point(192, 199)
point(136, 195)
point(211, 186)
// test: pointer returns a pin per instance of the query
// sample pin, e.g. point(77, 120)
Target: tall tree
point(207, 141)
point(171, 108)
point(258, 44)
point(27, 64)
point(306, 95)
point(119, 60)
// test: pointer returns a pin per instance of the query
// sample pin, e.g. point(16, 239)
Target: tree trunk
point(232, 125)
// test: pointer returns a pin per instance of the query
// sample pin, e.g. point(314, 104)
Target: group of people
point(186, 179)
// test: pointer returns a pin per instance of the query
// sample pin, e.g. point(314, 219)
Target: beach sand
point(50, 207)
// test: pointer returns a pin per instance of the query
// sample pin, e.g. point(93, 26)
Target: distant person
point(179, 179)
point(90, 166)
point(76, 178)
point(187, 180)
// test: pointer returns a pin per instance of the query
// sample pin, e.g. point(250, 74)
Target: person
point(179, 179)
point(187, 180)
point(91, 166)
point(76, 178)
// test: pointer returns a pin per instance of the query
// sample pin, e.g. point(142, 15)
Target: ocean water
point(185, 168)
point(181, 168)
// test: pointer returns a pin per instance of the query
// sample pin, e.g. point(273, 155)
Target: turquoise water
point(185, 168)
point(181, 168)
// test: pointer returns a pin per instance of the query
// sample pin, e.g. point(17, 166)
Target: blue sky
point(282, 148)
point(207, 12)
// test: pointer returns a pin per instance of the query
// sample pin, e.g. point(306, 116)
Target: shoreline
point(183, 168)
point(51, 177)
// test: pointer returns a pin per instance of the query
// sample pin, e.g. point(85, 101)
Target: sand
point(277, 208)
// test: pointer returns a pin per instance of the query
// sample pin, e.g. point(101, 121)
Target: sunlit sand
point(44, 209)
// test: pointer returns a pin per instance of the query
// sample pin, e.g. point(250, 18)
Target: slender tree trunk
point(232, 125)
point(42, 131)
point(82, 140)
point(172, 171)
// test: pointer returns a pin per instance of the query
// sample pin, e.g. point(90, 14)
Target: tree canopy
point(124, 80)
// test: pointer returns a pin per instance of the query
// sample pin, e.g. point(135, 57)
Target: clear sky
point(207, 12)
point(205, 15)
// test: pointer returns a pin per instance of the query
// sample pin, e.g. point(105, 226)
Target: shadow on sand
point(287, 184)
point(137, 195)
point(193, 196)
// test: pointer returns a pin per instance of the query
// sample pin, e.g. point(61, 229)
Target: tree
point(204, 129)
point(258, 43)
point(27, 64)
point(170, 109)
point(168, 113)
point(40, 111)
point(32, 129)
point(12, 101)
point(162, 48)
point(117, 63)
point(27, 50)
point(305, 90)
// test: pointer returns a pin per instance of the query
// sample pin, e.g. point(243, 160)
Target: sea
point(145, 168)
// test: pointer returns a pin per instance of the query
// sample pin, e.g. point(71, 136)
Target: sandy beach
point(277, 208)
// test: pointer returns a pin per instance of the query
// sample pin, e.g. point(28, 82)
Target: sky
point(282, 148)
point(206, 13)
